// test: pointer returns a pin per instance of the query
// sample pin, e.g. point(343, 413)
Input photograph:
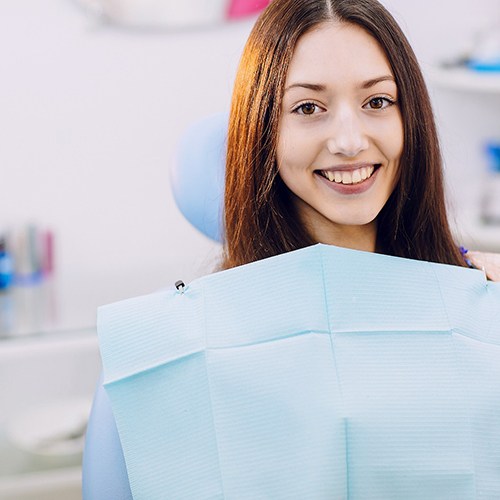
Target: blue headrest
point(197, 176)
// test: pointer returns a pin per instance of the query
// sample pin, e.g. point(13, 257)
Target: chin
point(358, 219)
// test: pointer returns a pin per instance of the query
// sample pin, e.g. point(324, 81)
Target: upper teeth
point(349, 177)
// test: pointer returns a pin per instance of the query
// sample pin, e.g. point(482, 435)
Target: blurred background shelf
point(469, 103)
point(60, 484)
point(475, 235)
point(464, 79)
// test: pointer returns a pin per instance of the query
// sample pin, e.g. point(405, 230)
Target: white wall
point(89, 120)
point(90, 116)
point(440, 29)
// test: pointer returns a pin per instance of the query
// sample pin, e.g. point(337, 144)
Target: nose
point(346, 135)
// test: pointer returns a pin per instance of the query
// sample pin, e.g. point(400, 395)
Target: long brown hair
point(259, 218)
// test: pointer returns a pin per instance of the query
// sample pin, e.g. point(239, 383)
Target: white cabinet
point(46, 387)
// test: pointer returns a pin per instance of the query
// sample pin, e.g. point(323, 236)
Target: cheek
point(395, 145)
point(295, 150)
point(389, 138)
point(395, 140)
point(281, 149)
point(286, 153)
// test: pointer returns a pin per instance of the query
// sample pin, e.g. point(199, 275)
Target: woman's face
point(340, 134)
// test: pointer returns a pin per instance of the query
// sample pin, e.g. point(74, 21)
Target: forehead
point(337, 51)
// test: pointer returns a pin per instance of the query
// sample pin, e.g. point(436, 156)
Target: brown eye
point(308, 108)
point(377, 103)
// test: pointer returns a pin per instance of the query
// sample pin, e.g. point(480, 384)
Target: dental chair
point(197, 185)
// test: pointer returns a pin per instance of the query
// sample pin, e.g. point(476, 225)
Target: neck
point(355, 237)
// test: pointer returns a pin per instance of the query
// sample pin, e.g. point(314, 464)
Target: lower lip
point(350, 189)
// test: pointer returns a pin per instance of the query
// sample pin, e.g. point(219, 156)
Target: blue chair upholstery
point(104, 472)
point(197, 179)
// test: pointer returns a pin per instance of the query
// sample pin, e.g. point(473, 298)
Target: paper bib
point(323, 373)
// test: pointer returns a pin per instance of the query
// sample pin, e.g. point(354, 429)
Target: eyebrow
point(318, 87)
point(370, 83)
point(311, 86)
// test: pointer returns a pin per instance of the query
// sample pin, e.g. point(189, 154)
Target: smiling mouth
point(355, 176)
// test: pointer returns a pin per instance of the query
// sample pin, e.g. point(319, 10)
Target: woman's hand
point(490, 262)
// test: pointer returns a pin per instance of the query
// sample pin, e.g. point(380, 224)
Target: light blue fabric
point(323, 373)
point(104, 475)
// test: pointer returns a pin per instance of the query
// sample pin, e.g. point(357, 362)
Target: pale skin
point(340, 121)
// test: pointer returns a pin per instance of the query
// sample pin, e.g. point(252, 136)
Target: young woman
point(324, 88)
point(331, 140)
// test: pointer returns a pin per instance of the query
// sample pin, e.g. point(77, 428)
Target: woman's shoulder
point(490, 262)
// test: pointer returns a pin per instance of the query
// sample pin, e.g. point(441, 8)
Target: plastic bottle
point(490, 202)
point(6, 267)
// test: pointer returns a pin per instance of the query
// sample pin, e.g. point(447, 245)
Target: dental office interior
point(98, 102)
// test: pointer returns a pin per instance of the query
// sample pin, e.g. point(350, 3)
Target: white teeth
point(346, 178)
point(349, 177)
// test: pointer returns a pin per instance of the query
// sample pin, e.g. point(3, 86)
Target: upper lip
point(348, 166)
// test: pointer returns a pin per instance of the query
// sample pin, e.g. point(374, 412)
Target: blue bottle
point(6, 267)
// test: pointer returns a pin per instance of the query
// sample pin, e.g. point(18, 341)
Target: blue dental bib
point(323, 373)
